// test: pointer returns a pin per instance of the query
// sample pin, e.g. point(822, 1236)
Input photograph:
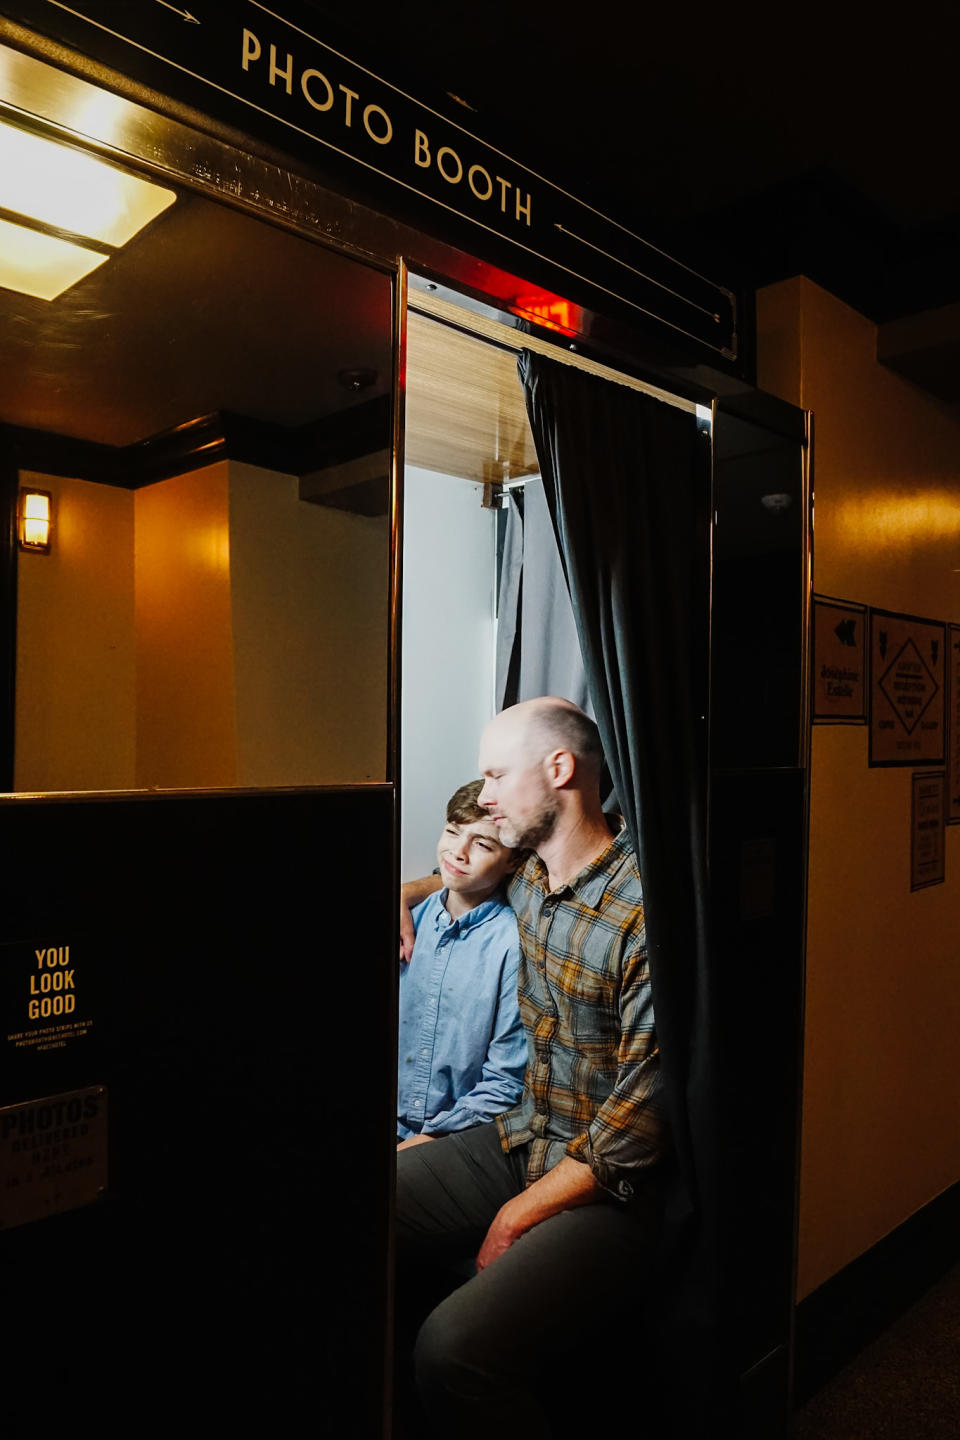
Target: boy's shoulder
point(493, 914)
point(427, 907)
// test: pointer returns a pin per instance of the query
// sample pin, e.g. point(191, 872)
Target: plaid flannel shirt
point(592, 1087)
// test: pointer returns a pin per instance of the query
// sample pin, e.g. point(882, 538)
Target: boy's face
point(472, 861)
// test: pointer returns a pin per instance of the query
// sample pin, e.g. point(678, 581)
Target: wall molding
point(302, 450)
point(847, 1312)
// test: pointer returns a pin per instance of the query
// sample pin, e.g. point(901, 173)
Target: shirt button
point(424, 1052)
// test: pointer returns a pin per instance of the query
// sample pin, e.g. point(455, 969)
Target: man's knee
point(445, 1356)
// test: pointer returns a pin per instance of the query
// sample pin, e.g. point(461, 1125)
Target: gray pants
point(497, 1356)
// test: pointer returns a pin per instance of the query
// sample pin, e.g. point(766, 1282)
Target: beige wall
point(76, 664)
point(186, 721)
point(881, 1124)
point(209, 630)
point(309, 596)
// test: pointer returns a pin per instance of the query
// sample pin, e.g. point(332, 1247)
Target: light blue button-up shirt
point(462, 1051)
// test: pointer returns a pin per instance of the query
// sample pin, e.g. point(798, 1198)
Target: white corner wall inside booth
point(466, 429)
point(449, 577)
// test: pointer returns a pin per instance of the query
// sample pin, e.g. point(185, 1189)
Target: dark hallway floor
point(905, 1385)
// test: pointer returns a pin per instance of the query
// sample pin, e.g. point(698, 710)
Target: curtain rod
point(494, 332)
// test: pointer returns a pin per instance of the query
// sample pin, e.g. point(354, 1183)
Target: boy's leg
point(491, 1354)
point(448, 1192)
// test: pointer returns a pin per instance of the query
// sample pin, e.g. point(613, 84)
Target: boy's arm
point(411, 895)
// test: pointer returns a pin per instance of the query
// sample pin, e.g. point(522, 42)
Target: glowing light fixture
point(70, 190)
point(551, 312)
point(57, 188)
point(36, 508)
point(42, 265)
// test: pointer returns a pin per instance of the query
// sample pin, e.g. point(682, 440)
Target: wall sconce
point(65, 211)
point(36, 516)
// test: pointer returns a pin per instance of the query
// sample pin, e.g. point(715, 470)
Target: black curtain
point(626, 478)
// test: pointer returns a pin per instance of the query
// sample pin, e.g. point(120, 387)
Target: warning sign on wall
point(907, 701)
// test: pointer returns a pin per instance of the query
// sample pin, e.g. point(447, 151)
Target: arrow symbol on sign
point(184, 14)
point(846, 632)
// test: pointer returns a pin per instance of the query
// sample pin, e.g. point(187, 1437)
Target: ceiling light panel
point(39, 264)
point(65, 188)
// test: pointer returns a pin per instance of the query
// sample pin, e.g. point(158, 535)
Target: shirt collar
point(473, 917)
point(590, 884)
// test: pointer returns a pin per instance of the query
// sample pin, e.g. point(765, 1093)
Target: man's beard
point(536, 830)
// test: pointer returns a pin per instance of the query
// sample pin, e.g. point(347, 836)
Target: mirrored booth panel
point(204, 416)
point(195, 452)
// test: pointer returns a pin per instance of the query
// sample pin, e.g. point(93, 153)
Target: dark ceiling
point(753, 141)
point(205, 310)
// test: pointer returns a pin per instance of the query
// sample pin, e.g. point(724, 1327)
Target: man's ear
point(560, 768)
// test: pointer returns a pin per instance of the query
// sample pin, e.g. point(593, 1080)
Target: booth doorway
point(469, 450)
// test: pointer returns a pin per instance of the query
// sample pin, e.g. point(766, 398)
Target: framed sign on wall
point(907, 701)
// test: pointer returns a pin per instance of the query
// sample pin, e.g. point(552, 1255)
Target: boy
point(462, 1051)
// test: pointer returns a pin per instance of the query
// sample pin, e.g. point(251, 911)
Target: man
point(557, 1199)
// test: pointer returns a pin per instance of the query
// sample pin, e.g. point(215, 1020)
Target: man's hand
point(411, 894)
point(507, 1226)
point(566, 1186)
point(414, 1140)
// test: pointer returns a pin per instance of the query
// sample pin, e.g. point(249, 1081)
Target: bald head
point(550, 723)
point(541, 762)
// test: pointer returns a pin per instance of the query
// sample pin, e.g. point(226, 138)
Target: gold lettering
point(251, 48)
point(380, 139)
point(421, 148)
point(479, 170)
point(351, 96)
point(304, 86)
point(285, 75)
point(504, 187)
point(452, 179)
point(524, 209)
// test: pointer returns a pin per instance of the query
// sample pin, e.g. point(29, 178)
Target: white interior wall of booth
point(447, 654)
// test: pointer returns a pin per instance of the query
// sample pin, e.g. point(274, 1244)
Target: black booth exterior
point(235, 1246)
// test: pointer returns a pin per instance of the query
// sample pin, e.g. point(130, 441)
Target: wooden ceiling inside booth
point(465, 411)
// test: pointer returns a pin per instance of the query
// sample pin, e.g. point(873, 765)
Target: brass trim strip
point(82, 113)
point(396, 522)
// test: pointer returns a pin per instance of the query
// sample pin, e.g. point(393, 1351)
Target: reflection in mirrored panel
point(209, 412)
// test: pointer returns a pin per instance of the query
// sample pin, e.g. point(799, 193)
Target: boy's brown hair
point(462, 807)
